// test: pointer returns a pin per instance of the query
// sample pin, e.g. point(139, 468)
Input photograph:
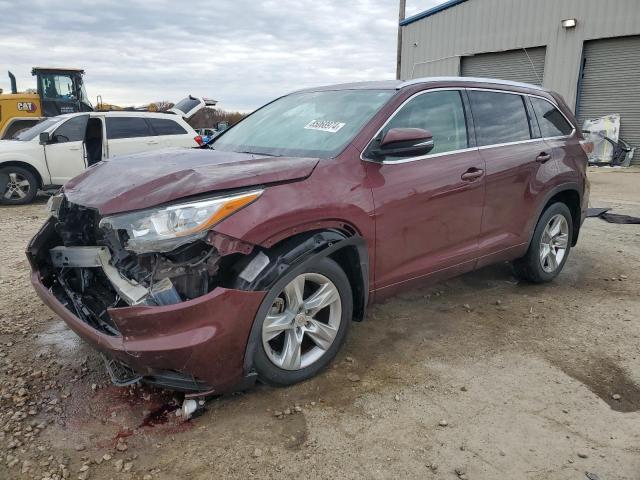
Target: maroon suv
point(202, 270)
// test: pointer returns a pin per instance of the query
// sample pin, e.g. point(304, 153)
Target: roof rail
point(496, 81)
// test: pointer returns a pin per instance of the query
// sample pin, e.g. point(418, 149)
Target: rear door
point(171, 133)
point(518, 168)
point(129, 134)
point(65, 152)
point(428, 209)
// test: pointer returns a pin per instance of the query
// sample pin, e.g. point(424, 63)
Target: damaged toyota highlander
point(204, 270)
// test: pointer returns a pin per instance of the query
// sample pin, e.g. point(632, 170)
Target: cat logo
point(27, 107)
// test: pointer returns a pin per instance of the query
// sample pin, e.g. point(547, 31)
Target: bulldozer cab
point(61, 91)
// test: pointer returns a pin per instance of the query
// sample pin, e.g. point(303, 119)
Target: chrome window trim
point(497, 145)
point(415, 159)
point(483, 147)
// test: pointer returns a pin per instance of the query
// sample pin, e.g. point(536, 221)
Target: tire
point(18, 186)
point(548, 251)
point(269, 361)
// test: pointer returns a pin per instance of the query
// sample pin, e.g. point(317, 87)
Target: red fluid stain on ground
point(113, 414)
point(159, 416)
point(124, 433)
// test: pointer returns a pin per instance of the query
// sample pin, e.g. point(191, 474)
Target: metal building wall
point(521, 65)
point(434, 45)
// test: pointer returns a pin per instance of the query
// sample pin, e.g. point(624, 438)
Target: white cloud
point(242, 53)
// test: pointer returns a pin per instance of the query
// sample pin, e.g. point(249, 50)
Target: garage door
point(517, 65)
point(611, 84)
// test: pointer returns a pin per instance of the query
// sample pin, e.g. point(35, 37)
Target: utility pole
point(401, 15)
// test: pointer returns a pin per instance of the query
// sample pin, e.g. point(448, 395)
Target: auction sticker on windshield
point(324, 126)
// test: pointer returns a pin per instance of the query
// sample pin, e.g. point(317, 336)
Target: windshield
point(33, 132)
point(57, 86)
point(306, 124)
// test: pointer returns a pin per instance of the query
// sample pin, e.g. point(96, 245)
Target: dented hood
point(152, 178)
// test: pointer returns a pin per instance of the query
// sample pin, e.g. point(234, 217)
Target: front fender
point(332, 198)
point(36, 162)
point(282, 212)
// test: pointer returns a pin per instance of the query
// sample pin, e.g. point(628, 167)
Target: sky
point(242, 53)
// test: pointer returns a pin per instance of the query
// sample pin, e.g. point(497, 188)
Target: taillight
point(587, 146)
point(198, 139)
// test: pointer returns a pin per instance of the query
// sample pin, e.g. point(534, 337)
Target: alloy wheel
point(17, 187)
point(303, 322)
point(554, 243)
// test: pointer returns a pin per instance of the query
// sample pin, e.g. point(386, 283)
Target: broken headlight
point(166, 228)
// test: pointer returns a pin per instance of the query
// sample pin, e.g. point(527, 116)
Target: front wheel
point(18, 186)
point(549, 246)
point(302, 323)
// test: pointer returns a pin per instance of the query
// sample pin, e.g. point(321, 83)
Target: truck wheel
point(302, 323)
point(18, 186)
point(549, 248)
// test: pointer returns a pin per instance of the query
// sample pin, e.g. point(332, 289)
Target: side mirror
point(405, 142)
point(44, 138)
point(222, 126)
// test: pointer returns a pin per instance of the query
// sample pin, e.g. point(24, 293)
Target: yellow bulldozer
point(58, 91)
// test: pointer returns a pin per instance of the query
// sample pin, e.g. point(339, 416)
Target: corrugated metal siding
point(439, 67)
point(611, 84)
point(523, 65)
point(481, 26)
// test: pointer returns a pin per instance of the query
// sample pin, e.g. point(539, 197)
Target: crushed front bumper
point(196, 345)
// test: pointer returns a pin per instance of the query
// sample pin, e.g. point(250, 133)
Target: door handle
point(472, 174)
point(74, 148)
point(152, 142)
point(543, 157)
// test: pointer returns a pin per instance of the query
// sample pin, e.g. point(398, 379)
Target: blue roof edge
point(431, 11)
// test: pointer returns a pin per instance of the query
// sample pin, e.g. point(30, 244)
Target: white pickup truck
point(59, 148)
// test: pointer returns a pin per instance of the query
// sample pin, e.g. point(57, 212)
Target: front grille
point(86, 292)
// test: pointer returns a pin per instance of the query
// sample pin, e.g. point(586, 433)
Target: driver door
point(428, 209)
point(65, 152)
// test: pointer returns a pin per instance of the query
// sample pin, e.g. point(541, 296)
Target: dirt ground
point(479, 377)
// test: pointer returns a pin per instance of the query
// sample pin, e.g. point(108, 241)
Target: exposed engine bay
point(89, 270)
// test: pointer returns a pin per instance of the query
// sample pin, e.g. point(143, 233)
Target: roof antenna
point(533, 67)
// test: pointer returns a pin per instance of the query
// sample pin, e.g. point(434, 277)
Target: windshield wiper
point(257, 153)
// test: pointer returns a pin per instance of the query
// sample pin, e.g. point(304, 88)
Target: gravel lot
point(479, 378)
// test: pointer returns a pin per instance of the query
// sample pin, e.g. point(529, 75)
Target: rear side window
point(72, 130)
point(442, 113)
point(499, 117)
point(127, 127)
point(163, 126)
point(552, 122)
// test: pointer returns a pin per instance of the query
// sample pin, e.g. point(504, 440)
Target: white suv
point(59, 148)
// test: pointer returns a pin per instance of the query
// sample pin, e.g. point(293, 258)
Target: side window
point(127, 127)
point(73, 130)
point(499, 117)
point(163, 126)
point(552, 122)
point(442, 113)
